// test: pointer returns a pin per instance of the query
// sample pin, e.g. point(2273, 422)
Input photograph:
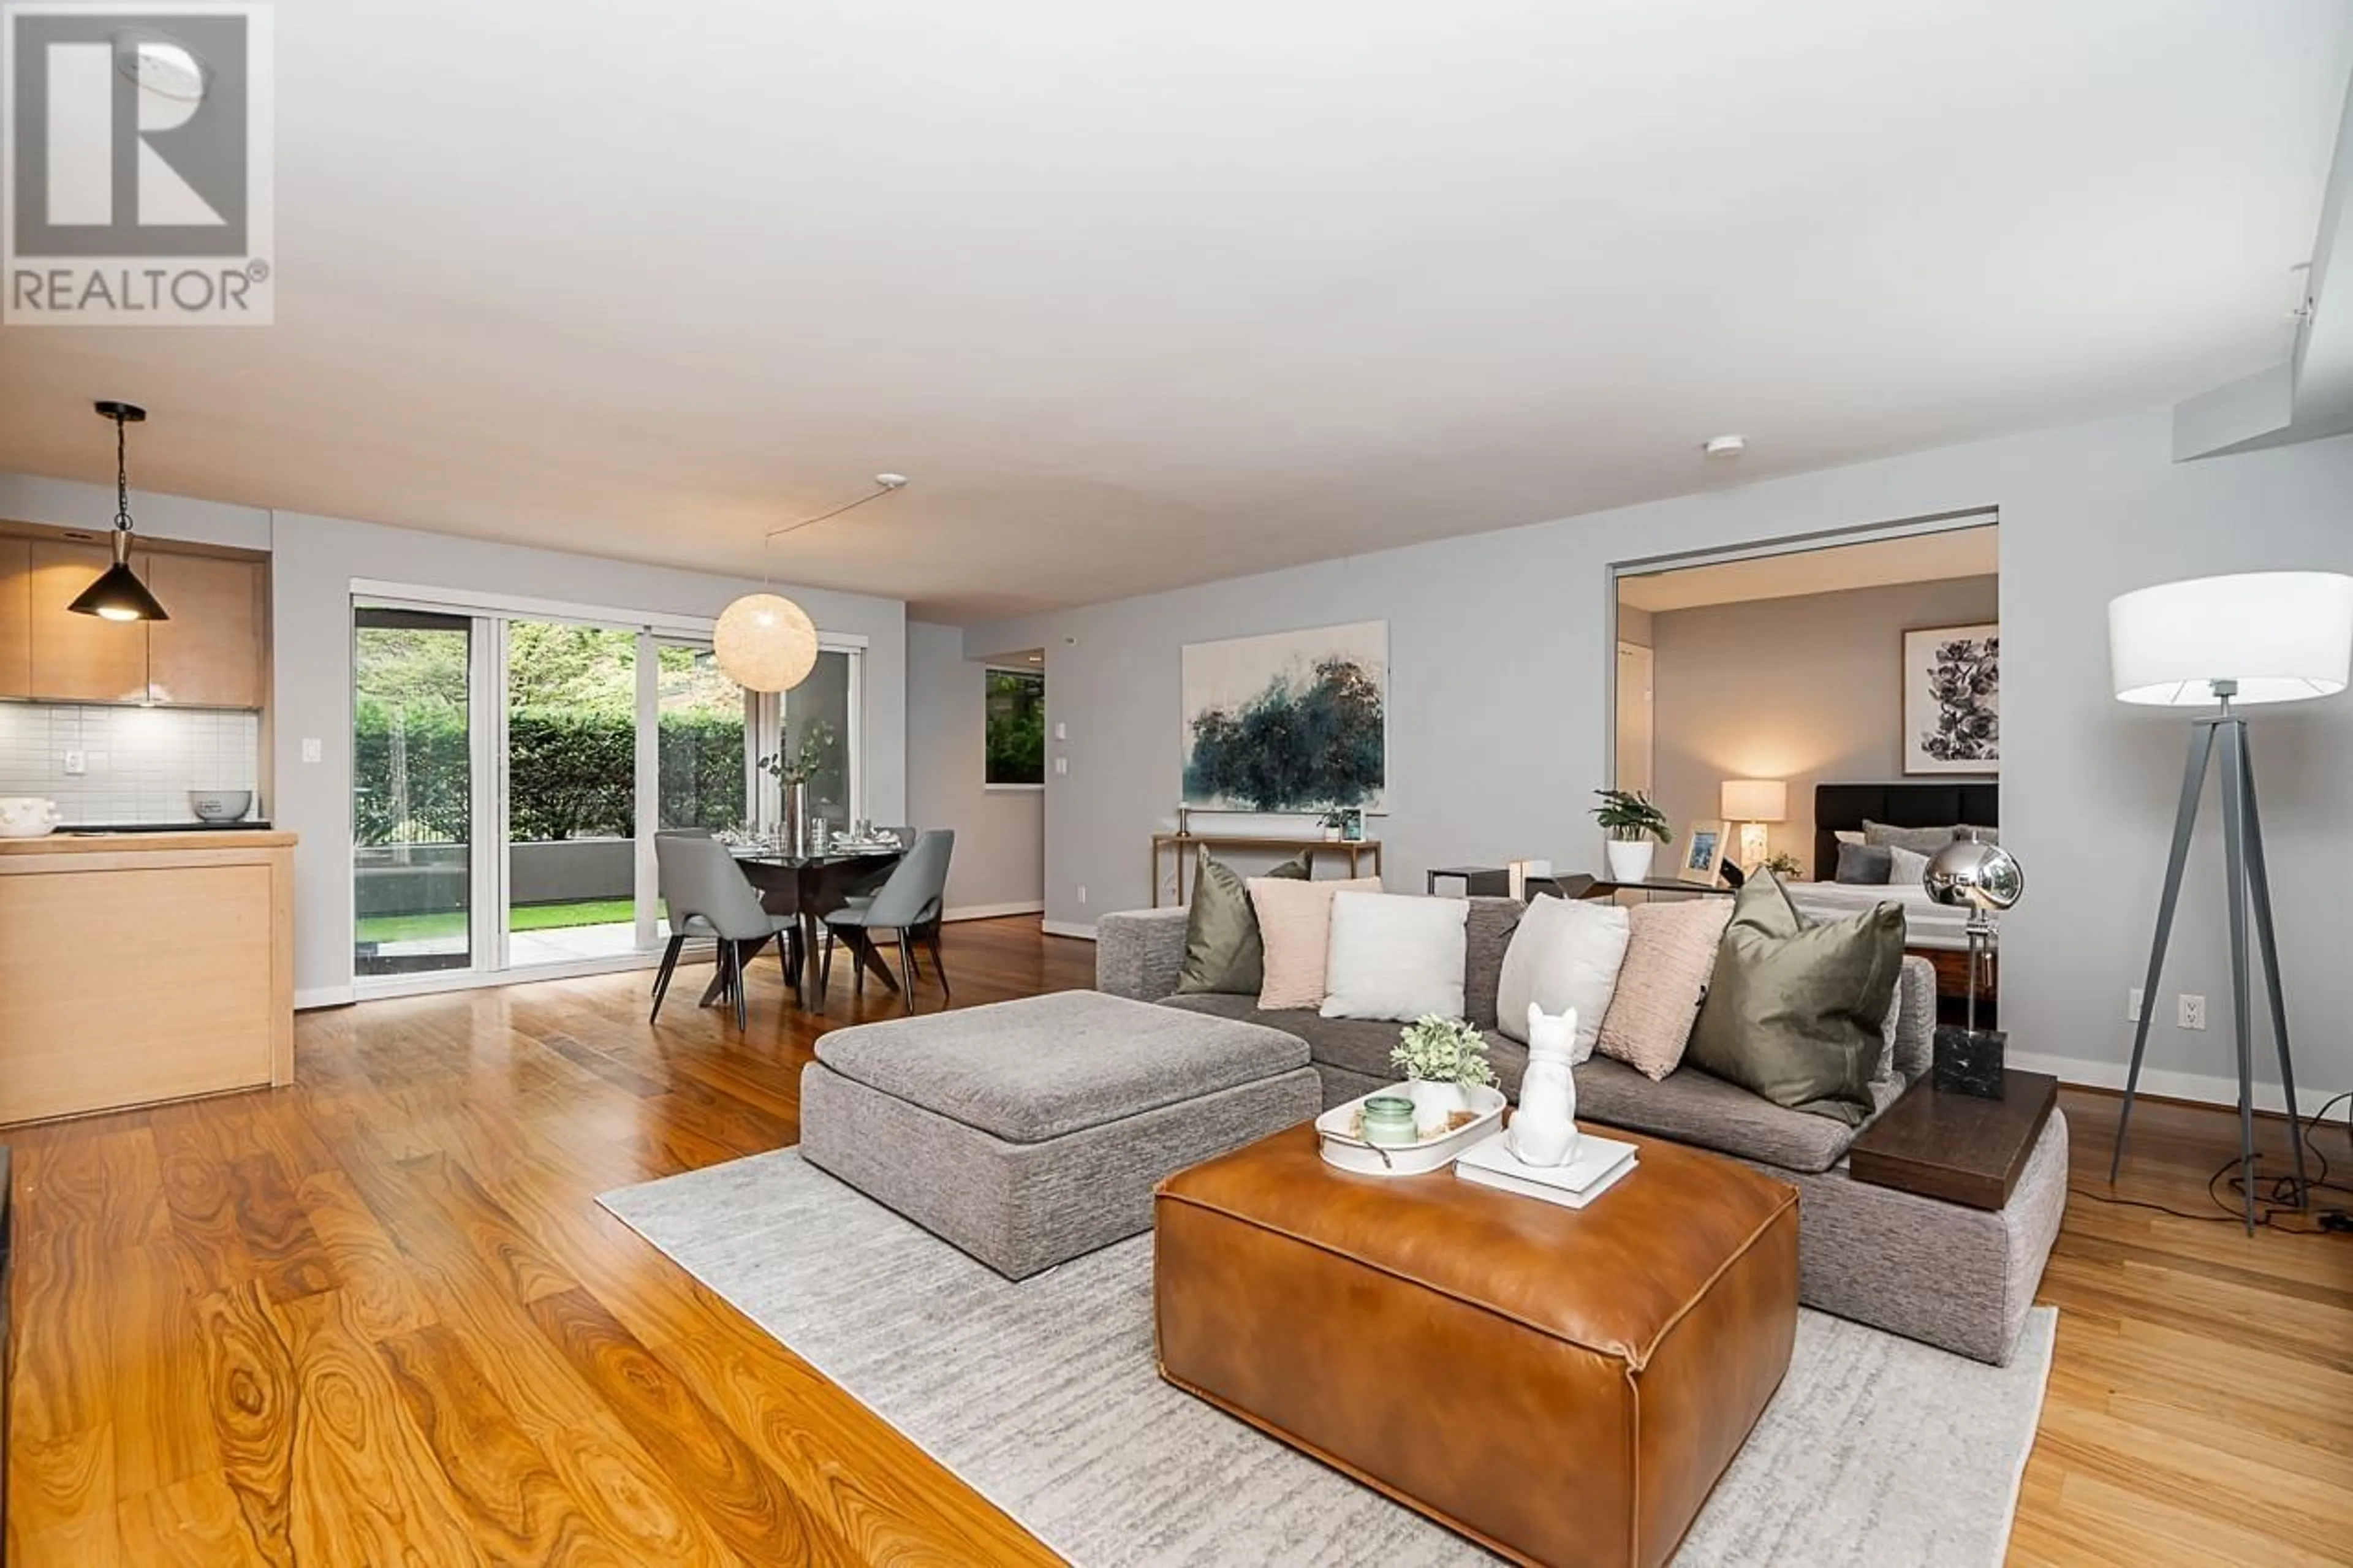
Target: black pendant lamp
point(119, 594)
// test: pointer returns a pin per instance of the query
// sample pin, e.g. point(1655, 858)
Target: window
point(1017, 727)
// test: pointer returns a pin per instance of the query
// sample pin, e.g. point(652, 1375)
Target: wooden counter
point(141, 967)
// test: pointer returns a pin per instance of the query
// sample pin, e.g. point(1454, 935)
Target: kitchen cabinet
point(16, 617)
point(80, 659)
point(212, 652)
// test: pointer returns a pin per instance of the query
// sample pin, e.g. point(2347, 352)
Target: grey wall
point(1805, 689)
point(1500, 715)
point(1000, 856)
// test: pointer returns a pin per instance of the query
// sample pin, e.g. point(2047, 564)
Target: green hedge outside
point(572, 774)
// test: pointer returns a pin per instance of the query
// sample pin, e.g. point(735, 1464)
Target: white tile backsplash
point(139, 763)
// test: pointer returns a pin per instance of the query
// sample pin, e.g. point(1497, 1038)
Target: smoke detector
point(1726, 445)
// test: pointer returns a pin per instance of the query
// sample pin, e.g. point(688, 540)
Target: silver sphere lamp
point(1985, 879)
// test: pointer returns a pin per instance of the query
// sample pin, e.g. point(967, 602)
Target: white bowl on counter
point(27, 816)
point(220, 804)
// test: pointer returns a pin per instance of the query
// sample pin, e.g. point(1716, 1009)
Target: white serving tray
point(1342, 1147)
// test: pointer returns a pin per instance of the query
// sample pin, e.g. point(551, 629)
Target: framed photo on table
point(1701, 859)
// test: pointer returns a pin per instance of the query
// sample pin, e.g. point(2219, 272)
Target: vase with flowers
point(792, 768)
point(1441, 1058)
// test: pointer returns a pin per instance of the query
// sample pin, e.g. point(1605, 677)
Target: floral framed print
point(1952, 700)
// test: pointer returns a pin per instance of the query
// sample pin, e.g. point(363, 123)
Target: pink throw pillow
point(1670, 956)
point(1294, 920)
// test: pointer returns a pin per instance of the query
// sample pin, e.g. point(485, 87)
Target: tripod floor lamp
point(2230, 642)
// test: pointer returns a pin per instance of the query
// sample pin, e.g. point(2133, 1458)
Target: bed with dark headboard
point(1925, 804)
point(1932, 930)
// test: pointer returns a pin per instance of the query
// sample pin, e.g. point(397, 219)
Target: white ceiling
point(1142, 297)
point(1874, 564)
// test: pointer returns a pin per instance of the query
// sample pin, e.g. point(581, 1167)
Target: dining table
point(812, 887)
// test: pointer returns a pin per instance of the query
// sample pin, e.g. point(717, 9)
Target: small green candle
point(1388, 1120)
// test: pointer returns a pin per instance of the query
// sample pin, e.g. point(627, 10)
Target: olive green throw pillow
point(1223, 951)
point(1794, 1011)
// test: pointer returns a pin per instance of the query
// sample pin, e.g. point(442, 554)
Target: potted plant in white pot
point(1441, 1058)
point(1636, 828)
point(1332, 819)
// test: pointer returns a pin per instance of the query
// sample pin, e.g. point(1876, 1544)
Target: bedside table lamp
point(2260, 637)
point(1752, 803)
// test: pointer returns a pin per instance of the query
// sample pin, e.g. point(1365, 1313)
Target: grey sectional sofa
point(1959, 1277)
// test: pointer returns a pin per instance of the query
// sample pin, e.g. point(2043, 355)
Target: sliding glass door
point(511, 770)
point(569, 747)
point(818, 721)
point(413, 771)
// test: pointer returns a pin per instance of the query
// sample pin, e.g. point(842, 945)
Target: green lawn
point(529, 917)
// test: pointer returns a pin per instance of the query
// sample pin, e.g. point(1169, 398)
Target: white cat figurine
point(1544, 1128)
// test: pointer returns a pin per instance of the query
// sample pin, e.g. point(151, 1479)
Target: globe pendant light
point(764, 641)
point(118, 595)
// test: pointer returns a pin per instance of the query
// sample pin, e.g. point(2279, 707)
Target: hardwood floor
point(377, 1317)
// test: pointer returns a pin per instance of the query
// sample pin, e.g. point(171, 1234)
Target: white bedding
point(1926, 922)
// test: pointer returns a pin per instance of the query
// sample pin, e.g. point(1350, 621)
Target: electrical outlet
point(1061, 765)
point(311, 750)
point(2132, 1006)
point(77, 764)
point(2191, 1011)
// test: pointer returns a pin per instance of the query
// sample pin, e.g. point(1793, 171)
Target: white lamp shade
point(764, 643)
point(1755, 800)
point(2282, 635)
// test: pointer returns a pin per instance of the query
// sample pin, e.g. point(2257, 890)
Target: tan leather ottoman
point(1563, 1385)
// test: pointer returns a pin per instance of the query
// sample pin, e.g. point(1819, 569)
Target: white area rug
point(1042, 1396)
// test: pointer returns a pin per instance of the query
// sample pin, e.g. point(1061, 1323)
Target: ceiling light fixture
point(765, 642)
point(1727, 446)
point(118, 595)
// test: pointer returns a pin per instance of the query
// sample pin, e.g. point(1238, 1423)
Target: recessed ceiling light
point(1727, 446)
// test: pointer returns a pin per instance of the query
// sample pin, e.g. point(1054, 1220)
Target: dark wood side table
point(1957, 1147)
point(1489, 882)
point(1604, 887)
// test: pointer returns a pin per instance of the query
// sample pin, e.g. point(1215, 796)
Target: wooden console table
point(1185, 844)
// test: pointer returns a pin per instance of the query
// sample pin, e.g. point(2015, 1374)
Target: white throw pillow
point(1395, 956)
point(1905, 867)
point(1566, 954)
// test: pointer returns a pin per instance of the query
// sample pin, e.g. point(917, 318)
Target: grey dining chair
point(863, 889)
point(908, 906)
point(707, 895)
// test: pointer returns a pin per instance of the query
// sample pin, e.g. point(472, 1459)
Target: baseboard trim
point(2205, 1089)
point(994, 911)
point(323, 996)
point(1084, 932)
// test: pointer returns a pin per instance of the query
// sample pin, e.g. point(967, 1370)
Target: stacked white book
point(1595, 1165)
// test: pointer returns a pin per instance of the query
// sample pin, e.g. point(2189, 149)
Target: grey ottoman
point(1031, 1131)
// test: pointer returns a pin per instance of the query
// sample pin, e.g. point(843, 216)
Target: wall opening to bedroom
point(1748, 682)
